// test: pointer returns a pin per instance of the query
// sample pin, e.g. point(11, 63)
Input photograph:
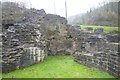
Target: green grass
point(106, 28)
point(57, 67)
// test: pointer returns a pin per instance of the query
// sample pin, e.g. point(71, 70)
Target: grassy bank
point(106, 28)
point(57, 67)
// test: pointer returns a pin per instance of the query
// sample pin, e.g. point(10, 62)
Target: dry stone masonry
point(31, 35)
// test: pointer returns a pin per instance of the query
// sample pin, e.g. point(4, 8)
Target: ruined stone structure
point(36, 35)
point(96, 50)
point(100, 55)
point(29, 39)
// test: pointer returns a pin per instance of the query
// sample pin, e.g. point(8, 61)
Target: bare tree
point(54, 7)
point(30, 4)
point(66, 8)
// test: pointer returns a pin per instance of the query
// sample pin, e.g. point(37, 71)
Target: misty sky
point(73, 6)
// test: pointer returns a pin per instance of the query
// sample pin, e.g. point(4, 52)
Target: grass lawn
point(57, 67)
point(106, 28)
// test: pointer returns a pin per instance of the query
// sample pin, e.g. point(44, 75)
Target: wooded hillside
point(105, 15)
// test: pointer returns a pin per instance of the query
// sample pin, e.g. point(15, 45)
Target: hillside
point(106, 15)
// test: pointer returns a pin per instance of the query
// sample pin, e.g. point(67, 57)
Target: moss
point(50, 32)
point(69, 39)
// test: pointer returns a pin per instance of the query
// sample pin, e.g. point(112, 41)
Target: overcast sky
point(73, 6)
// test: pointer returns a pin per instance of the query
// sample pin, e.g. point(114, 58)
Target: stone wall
point(28, 40)
point(101, 60)
point(21, 47)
